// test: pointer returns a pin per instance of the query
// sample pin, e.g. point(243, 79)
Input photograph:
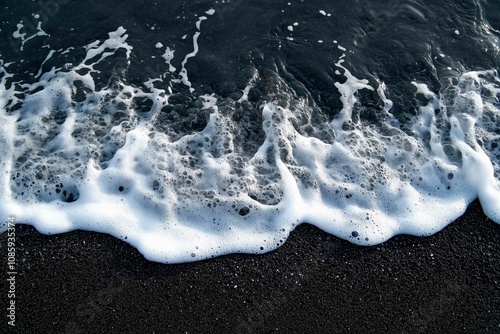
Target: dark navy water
point(354, 103)
point(392, 41)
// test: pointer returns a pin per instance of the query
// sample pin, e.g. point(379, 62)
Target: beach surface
point(85, 282)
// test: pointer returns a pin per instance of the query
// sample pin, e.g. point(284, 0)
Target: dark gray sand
point(84, 282)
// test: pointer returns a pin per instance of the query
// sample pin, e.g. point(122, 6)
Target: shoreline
point(86, 282)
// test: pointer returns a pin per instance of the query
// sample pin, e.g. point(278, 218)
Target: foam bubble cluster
point(187, 176)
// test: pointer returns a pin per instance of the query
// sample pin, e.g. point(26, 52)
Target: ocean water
point(192, 129)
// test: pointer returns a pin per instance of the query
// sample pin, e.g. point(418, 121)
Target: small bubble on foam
point(244, 211)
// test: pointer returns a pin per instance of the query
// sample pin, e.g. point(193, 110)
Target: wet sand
point(85, 282)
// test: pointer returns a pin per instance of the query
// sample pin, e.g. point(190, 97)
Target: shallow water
point(192, 130)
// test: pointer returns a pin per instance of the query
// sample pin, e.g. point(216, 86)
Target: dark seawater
point(195, 129)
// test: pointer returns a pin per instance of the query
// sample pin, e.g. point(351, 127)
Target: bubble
point(244, 211)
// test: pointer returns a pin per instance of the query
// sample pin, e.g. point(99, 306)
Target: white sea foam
point(74, 156)
point(18, 34)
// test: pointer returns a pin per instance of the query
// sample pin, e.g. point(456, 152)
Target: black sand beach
point(84, 282)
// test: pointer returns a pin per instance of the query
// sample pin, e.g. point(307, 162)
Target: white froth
point(387, 103)
point(100, 163)
point(21, 36)
point(198, 23)
point(168, 56)
point(183, 73)
point(51, 53)
point(115, 41)
point(17, 33)
point(348, 98)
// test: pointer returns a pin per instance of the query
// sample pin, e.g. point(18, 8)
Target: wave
point(185, 175)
